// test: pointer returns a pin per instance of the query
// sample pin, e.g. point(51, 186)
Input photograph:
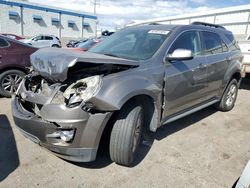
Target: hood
point(53, 63)
point(24, 40)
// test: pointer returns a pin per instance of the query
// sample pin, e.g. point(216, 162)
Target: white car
point(42, 41)
point(244, 180)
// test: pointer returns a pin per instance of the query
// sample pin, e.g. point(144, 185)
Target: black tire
point(55, 46)
point(229, 97)
point(126, 134)
point(14, 77)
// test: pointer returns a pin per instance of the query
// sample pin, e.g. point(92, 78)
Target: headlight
point(83, 90)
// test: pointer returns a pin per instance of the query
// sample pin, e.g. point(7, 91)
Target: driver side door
point(185, 80)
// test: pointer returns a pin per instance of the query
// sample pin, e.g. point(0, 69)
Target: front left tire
point(126, 134)
point(9, 82)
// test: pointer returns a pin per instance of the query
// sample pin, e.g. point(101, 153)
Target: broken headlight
point(82, 90)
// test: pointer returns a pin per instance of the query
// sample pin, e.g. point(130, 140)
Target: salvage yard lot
point(206, 149)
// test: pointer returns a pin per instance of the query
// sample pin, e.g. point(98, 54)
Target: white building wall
point(8, 25)
point(180, 22)
point(43, 27)
point(232, 18)
point(89, 31)
point(67, 31)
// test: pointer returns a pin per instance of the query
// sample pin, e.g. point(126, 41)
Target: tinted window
point(48, 38)
point(233, 44)
point(38, 38)
point(189, 41)
point(213, 43)
point(3, 43)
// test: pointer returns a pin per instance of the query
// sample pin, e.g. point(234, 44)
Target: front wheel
point(9, 82)
point(126, 134)
point(229, 97)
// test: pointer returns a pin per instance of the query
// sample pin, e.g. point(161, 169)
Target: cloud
point(118, 12)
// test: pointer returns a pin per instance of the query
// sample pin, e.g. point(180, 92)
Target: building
point(29, 19)
point(235, 19)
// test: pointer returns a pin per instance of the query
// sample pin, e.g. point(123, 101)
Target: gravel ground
point(206, 149)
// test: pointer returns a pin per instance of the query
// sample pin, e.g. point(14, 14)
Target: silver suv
point(42, 41)
point(136, 80)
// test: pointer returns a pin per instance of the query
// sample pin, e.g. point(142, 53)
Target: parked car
point(12, 36)
point(244, 179)
point(73, 43)
point(14, 58)
point(138, 79)
point(43, 41)
point(85, 46)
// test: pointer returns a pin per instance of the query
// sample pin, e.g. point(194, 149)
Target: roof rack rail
point(208, 24)
point(154, 23)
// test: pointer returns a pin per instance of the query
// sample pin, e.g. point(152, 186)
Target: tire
point(9, 82)
point(55, 46)
point(229, 97)
point(126, 134)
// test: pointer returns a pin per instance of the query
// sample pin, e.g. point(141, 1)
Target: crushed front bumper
point(88, 129)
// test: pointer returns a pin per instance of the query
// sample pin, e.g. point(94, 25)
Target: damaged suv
point(137, 80)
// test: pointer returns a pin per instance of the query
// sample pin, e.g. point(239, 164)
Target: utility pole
point(94, 3)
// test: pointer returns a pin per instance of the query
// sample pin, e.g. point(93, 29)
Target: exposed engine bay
point(77, 89)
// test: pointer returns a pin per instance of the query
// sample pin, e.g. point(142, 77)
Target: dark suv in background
point(14, 60)
point(138, 79)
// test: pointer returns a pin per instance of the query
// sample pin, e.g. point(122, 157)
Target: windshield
point(135, 44)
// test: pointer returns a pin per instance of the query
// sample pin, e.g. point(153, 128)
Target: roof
point(36, 6)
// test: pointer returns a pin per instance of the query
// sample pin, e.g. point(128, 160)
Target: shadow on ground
point(9, 159)
point(104, 160)
point(245, 83)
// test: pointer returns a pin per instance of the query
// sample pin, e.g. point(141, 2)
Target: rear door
point(217, 57)
point(185, 81)
point(47, 41)
point(3, 53)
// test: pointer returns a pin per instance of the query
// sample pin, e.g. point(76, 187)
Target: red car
point(14, 58)
point(12, 36)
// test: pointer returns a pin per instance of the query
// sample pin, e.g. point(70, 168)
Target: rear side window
point(48, 38)
point(213, 44)
point(189, 40)
point(233, 44)
point(3, 43)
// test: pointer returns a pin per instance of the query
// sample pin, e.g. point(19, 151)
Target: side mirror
point(35, 39)
point(179, 54)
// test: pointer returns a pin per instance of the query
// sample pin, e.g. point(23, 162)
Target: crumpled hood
point(53, 63)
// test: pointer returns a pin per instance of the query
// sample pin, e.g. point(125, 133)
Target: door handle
point(1, 56)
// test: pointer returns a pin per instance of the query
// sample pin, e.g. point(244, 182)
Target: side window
point(189, 41)
point(38, 38)
point(213, 43)
point(48, 38)
point(233, 44)
point(3, 43)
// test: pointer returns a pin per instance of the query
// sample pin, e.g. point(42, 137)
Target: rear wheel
point(126, 134)
point(55, 46)
point(229, 97)
point(9, 82)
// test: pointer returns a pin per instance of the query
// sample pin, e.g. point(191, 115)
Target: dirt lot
point(206, 149)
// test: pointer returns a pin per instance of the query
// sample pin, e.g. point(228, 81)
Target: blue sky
point(112, 13)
